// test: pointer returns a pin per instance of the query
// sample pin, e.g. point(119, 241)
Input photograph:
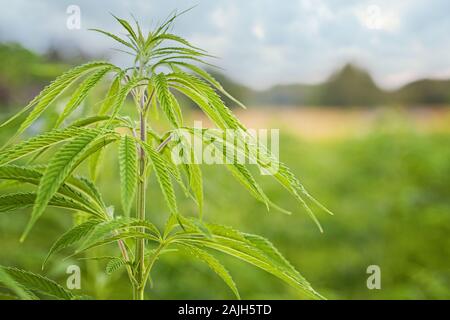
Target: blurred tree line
point(23, 74)
point(350, 86)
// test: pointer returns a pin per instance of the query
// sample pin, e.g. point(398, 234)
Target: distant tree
point(350, 86)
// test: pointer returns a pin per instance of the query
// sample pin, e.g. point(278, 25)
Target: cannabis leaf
point(128, 171)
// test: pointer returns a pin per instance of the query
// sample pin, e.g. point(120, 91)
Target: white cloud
point(224, 17)
point(258, 31)
point(264, 42)
point(375, 17)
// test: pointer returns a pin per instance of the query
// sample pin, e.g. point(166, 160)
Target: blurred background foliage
point(387, 182)
point(349, 86)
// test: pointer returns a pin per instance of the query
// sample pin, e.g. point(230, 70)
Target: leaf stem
point(152, 261)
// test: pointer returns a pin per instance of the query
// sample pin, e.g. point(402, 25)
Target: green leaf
point(39, 143)
point(100, 143)
point(175, 38)
point(113, 227)
point(19, 173)
point(128, 164)
point(205, 75)
point(167, 101)
point(171, 224)
point(121, 96)
point(168, 22)
point(94, 162)
point(251, 249)
point(256, 153)
point(127, 27)
point(115, 264)
point(243, 175)
point(194, 226)
point(269, 163)
point(202, 102)
point(113, 36)
point(89, 120)
point(38, 283)
point(231, 153)
point(196, 184)
point(239, 171)
point(214, 264)
point(71, 237)
point(172, 59)
point(288, 180)
point(162, 170)
point(224, 117)
point(139, 31)
point(111, 96)
point(51, 92)
point(115, 238)
point(103, 230)
point(81, 93)
point(269, 249)
point(165, 51)
point(193, 170)
point(21, 292)
point(17, 201)
point(33, 176)
point(88, 188)
point(59, 168)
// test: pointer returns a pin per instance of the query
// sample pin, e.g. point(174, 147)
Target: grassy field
point(385, 177)
point(315, 123)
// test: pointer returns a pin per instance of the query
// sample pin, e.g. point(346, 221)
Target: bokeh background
point(360, 91)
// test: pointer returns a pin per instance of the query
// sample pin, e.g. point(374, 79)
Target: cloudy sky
point(264, 42)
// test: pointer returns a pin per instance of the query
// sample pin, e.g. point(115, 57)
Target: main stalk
point(140, 212)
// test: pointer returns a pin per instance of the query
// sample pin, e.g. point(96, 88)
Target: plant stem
point(140, 243)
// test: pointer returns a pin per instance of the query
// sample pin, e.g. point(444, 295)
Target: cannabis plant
point(165, 72)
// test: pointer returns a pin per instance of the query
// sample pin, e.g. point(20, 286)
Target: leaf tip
point(22, 238)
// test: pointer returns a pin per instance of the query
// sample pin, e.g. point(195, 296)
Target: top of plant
point(166, 67)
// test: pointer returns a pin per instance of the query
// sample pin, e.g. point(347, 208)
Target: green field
point(384, 172)
point(389, 190)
